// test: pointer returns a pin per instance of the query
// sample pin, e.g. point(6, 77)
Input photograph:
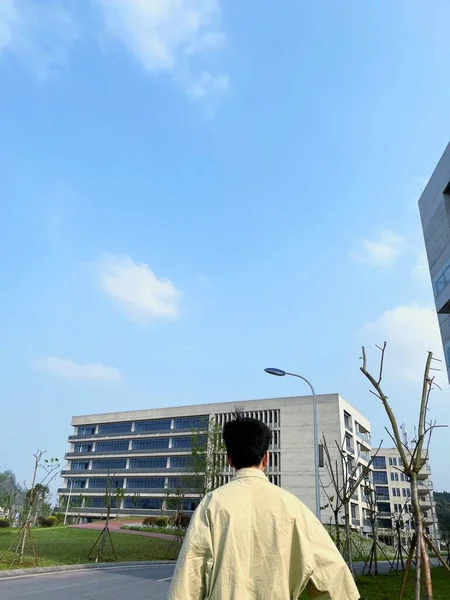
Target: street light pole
point(280, 373)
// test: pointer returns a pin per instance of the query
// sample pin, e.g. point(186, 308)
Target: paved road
point(110, 583)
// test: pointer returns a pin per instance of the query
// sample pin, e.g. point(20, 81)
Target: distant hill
point(443, 509)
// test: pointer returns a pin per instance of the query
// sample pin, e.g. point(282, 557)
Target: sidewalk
point(115, 526)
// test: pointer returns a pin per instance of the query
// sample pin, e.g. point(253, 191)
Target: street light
point(281, 373)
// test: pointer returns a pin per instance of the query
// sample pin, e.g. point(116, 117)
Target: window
point(109, 464)
point(143, 503)
point(145, 482)
point(77, 483)
point(99, 502)
point(110, 428)
point(186, 442)
point(77, 465)
point(157, 462)
point(86, 430)
point(102, 482)
point(82, 448)
point(382, 491)
point(400, 462)
point(380, 477)
point(190, 504)
point(191, 422)
point(394, 476)
point(353, 510)
point(348, 443)
point(180, 462)
point(348, 421)
point(402, 476)
point(156, 425)
point(112, 446)
point(404, 492)
point(150, 444)
point(379, 462)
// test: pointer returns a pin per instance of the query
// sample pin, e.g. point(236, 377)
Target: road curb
point(84, 567)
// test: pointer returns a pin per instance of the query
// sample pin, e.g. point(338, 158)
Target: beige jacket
point(251, 540)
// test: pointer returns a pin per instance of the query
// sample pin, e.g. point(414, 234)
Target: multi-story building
point(146, 452)
point(393, 496)
point(434, 205)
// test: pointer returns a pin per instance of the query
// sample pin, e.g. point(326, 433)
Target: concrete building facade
point(145, 452)
point(393, 494)
point(434, 206)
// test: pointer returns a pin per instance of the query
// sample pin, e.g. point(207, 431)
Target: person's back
point(250, 540)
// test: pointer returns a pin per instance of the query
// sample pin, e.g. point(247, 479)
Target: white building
point(147, 450)
point(393, 492)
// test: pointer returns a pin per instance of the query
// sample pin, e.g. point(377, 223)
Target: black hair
point(247, 440)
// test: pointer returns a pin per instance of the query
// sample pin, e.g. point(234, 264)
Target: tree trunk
point(419, 533)
point(426, 572)
point(338, 531)
point(348, 541)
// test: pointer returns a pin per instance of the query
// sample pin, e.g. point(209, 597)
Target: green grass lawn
point(66, 546)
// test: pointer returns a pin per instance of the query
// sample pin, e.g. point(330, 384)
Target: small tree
point(413, 457)
point(346, 476)
point(49, 468)
point(206, 462)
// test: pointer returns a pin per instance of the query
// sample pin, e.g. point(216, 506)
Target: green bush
point(149, 521)
point(59, 518)
point(161, 522)
point(4, 523)
point(49, 522)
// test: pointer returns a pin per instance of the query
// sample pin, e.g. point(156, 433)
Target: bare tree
point(413, 457)
point(113, 496)
point(346, 476)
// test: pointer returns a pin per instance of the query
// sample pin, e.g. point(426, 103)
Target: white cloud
point(166, 35)
point(37, 34)
point(208, 84)
point(68, 369)
point(410, 332)
point(420, 272)
point(381, 251)
point(137, 289)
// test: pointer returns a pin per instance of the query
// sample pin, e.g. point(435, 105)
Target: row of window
point(136, 503)
point(270, 417)
point(379, 462)
point(395, 476)
point(185, 442)
point(400, 492)
point(132, 483)
point(200, 422)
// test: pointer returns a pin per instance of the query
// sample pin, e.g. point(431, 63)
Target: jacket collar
point(250, 472)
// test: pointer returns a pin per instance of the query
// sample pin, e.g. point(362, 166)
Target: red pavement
point(115, 526)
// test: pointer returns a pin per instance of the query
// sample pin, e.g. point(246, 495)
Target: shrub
point(4, 523)
point(182, 521)
point(59, 518)
point(149, 521)
point(161, 522)
point(49, 522)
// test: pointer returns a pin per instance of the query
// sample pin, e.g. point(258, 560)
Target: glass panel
point(157, 425)
point(148, 463)
point(150, 444)
point(191, 422)
point(102, 482)
point(86, 430)
point(79, 466)
point(143, 503)
point(379, 462)
point(112, 446)
point(110, 463)
point(145, 482)
point(82, 448)
point(109, 428)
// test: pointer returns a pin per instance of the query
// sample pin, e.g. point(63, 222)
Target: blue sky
point(193, 191)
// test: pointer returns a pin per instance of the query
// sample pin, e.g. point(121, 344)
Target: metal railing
point(363, 436)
